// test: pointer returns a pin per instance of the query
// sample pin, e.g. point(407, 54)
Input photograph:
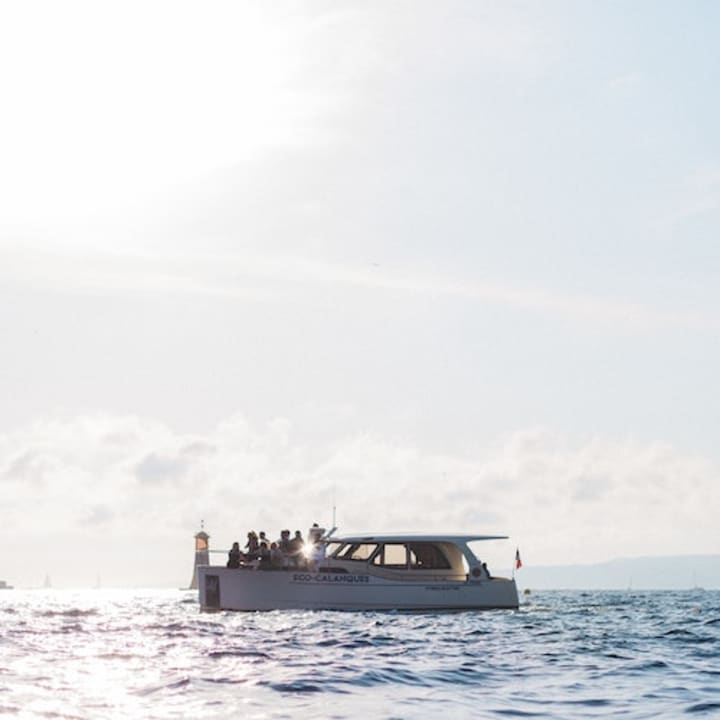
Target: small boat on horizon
point(410, 572)
point(5, 586)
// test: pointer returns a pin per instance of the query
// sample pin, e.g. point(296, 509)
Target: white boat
point(366, 572)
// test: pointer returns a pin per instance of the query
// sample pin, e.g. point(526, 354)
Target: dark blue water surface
point(152, 654)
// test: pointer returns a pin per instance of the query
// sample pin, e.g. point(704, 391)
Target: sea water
point(153, 654)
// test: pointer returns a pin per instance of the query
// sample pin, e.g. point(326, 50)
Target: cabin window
point(358, 551)
point(393, 555)
point(332, 548)
point(426, 556)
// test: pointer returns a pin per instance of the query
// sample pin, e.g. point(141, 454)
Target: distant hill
point(681, 572)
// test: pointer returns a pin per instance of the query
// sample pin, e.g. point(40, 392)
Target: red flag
point(518, 561)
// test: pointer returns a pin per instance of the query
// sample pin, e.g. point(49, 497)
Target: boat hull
point(222, 588)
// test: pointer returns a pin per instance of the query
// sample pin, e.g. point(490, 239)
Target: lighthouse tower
point(202, 553)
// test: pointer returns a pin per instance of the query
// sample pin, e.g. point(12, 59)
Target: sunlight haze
point(450, 266)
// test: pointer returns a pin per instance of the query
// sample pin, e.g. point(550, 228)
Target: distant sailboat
point(47, 584)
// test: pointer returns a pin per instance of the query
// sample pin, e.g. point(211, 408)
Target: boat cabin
point(417, 557)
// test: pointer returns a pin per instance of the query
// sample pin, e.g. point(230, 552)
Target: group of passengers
point(282, 554)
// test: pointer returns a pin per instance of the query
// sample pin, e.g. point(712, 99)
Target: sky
point(444, 266)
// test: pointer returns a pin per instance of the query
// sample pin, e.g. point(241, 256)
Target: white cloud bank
point(121, 496)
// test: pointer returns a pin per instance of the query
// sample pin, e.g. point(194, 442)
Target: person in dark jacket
point(252, 545)
point(296, 549)
point(234, 556)
point(265, 558)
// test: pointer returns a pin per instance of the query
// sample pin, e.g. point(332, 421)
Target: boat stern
point(209, 587)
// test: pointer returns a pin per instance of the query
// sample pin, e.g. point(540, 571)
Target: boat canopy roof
point(456, 539)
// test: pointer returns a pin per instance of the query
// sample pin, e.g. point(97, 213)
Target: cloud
point(627, 81)
point(97, 515)
point(561, 499)
point(156, 468)
point(30, 465)
point(266, 277)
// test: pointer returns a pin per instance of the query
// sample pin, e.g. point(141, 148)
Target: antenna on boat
point(334, 524)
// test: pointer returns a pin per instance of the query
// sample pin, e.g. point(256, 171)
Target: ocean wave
point(570, 656)
point(69, 612)
point(174, 684)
